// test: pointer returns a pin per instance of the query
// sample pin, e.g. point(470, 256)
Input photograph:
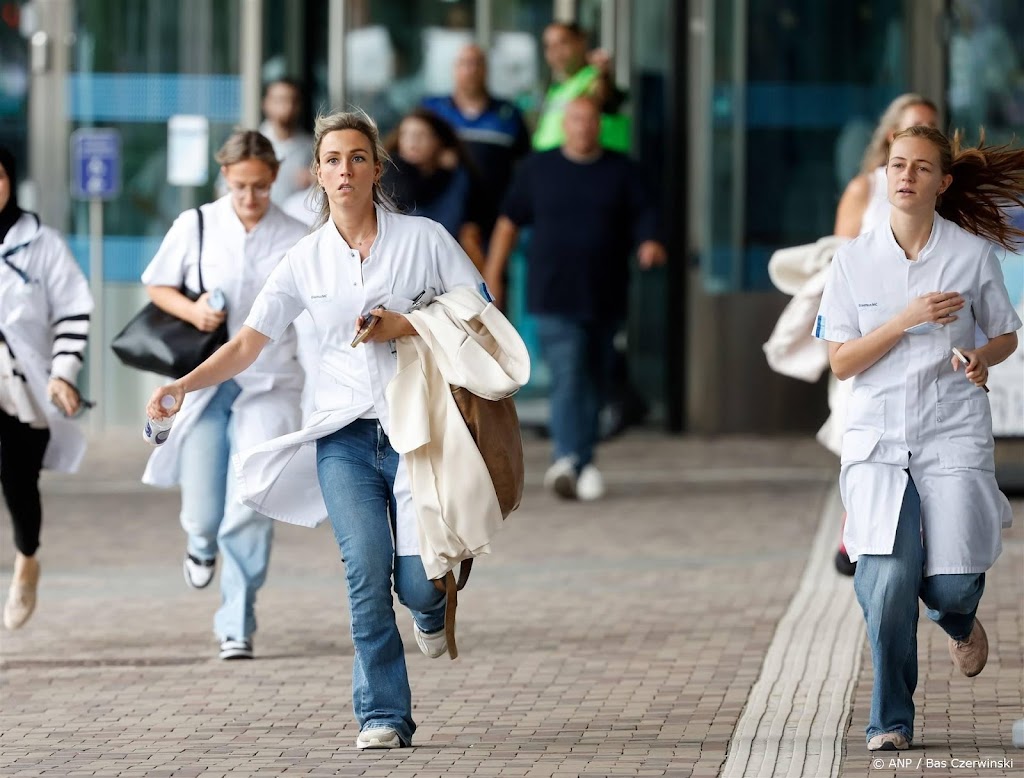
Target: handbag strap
point(202, 289)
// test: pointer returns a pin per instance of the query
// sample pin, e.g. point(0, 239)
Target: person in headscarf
point(44, 325)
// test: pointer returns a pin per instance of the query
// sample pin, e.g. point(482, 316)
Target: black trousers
point(21, 458)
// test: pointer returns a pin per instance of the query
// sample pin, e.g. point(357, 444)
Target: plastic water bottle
point(217, 301)
point(156, 431)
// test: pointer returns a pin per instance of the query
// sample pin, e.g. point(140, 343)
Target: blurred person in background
point(917, 479)
point(244, 235)
point(45, 307)
point(431, 175)
point(492, 130)
point(588, 209)
point(577, 73)
point(282, 111)
point(363, 259)
point(863, 207)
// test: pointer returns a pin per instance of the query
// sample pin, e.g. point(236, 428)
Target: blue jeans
point(215, 520)
point(357, 466)
point(888, 588)
point(580, 356)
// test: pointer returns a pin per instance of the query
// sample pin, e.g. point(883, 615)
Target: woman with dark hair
point(44, 323)
point(431, 175)
point(235, 242)
point(900, 307)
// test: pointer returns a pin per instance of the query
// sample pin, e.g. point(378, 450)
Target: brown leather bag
point(494, 425)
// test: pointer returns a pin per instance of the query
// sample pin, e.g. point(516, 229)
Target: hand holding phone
point(962, 358)
point(369, 322)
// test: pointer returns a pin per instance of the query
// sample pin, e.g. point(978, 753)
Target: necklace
point(359, 243)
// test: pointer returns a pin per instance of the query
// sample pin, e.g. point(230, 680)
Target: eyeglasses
point(258, 190)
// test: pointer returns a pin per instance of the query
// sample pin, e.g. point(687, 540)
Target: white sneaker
point(561, 478)
point(590, 484)
point(232, 648)
point(198, 573)
point(378, 737)
point(433, 644)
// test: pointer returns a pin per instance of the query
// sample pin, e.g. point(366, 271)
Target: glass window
point(14, 81)
point(986, 68)
point(516, 69)
point(797, 88)
point(397, 52)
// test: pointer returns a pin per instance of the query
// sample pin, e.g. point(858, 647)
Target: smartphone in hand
point(960, 355)
point(369, 322)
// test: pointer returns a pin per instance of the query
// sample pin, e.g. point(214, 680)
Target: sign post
point(96, 176)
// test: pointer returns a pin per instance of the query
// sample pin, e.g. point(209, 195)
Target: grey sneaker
point(198, 572)
point(971, 655)
point(433, 644)
point(378, 737)
point(888, 741)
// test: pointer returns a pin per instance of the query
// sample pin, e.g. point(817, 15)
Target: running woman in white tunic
point(244, 238)
point(917, 478)
point(364, 259)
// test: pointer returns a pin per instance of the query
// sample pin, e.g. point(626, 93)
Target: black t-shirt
point(586, 218)
point(449, 197)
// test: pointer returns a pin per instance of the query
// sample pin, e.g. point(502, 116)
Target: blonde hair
point(987, 181)
point(361, 122)
point(877, 152)
point(243, 145)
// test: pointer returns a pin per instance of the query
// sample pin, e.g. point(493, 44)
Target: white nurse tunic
point(411, 261)
point(910, 410)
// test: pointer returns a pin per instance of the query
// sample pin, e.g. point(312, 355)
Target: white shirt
point(295, 153)
point(910, 410)
point(238, 263)
point(233, 260)
point(412, 260)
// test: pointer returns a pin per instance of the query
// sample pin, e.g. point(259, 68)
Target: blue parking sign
point(95, 163)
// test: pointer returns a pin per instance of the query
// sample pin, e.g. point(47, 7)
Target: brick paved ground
point(616, 639)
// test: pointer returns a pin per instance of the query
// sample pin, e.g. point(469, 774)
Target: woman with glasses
point(44, 323)
point(243, 236)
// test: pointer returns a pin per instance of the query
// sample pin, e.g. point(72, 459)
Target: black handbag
point(159, 342)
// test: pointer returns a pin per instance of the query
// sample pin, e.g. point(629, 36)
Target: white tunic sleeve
point(278, 303)
point(177, 255)
point(454, 267)
point(993, 309)
point(837, 319)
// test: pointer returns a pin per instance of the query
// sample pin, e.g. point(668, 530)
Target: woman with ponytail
point(917, 478)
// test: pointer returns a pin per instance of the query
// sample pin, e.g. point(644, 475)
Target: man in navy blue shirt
point(492, 130)
point(589, 210)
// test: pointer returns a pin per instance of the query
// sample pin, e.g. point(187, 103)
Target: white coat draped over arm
point(465, 341)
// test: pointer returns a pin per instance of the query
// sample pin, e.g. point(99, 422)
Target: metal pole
point(96, 334)
point(251, 55)
point(484, 24)
point(336, 54)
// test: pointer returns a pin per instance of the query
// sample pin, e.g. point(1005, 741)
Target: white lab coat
point(463, 341)
point(412, 257)
point(910, 410)
point(238, 263)
point(55, 288)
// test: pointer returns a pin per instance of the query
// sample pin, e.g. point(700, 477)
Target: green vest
point(549, 133)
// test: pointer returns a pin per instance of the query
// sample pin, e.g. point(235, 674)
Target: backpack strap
point(202, 288)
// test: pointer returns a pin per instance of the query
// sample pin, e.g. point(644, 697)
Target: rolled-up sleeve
point(837, 319)
point(277, 304)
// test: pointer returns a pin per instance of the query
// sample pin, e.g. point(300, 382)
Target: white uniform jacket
point(412, 260)
point(238, 263)
point(48, 287)
point(464, 341)
point(910, 410)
